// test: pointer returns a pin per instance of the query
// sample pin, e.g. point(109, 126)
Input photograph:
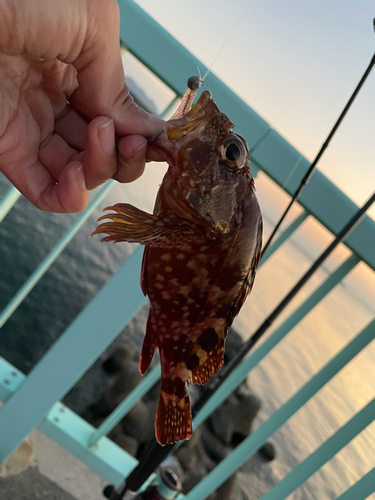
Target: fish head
point(208, 176)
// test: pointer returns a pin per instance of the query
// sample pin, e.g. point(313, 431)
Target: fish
point(202, 247)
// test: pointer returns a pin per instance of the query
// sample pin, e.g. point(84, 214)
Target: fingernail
point(157, 124)
point(80, 177)
point(106, 134)
point(140, 147)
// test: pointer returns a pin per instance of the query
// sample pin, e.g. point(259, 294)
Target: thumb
point(102, 90)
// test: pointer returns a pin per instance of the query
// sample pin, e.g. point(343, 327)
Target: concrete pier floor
point(31, 485)
point(41, 470)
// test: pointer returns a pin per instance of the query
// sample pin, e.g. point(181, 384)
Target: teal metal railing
point(115, 305)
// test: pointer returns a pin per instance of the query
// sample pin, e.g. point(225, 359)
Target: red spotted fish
point(202, 248)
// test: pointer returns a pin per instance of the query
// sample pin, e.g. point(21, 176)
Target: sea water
point(26, 237)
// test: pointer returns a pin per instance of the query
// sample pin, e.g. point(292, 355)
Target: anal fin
point(149, 344)
point(211, 363)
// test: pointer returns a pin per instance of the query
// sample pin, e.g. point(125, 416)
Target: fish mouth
point(199, 114)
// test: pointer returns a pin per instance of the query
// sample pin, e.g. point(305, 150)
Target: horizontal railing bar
point(325, 452)
point(241, 372)
point(118, 414)
point(72, 432)
point(9, 200)
point(284, 236)
point(168, 110)
point(93, 330)
point(361, 489)
point(52, 256)
point(253, 442)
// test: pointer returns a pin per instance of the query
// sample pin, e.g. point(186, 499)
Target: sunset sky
point(296, 63)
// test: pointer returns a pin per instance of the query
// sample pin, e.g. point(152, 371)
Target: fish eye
point(234, 152)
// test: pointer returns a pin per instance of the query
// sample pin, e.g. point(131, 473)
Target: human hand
point(63, 99)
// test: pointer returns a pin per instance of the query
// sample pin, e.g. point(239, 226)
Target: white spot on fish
point(185, 290)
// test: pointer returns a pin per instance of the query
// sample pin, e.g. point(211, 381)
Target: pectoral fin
point(134, 225)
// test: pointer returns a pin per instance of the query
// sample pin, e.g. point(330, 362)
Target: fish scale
point(202, 247)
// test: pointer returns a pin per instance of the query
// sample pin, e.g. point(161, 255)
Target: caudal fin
point(173, 418)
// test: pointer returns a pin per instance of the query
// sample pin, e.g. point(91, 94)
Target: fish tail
point(173, 417)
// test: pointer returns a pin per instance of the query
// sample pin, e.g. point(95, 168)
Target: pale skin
point(67, 122)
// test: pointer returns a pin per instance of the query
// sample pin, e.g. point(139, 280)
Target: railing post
point(9, 199)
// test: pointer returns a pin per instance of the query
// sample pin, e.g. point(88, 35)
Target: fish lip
point(200, 104)
point(177, 128)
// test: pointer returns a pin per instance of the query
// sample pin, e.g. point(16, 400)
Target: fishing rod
point(155, 453)
point(313, 165)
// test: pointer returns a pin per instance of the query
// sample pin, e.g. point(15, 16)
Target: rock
point(126, 381)
point(187, 453)
point(225, 491)
point(213, 446)
point(19, 461)
point(96, 412)
point(244, 415)
point(193, 479)
point(187, 458)
point(136, 422)
point(243, 390)
point(233, 344)
point(234, 418)
point(115, 432)
point(267, 451)
point(118, 359)
point(127, 443)
point(149, 429)
point(222, 423)
point(154, 392)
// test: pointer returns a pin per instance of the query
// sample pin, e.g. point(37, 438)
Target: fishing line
point(155, 453)
point(226, 42)
point(327, 112)
point(313, 165)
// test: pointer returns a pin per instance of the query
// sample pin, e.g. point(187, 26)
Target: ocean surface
point(26, 237)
